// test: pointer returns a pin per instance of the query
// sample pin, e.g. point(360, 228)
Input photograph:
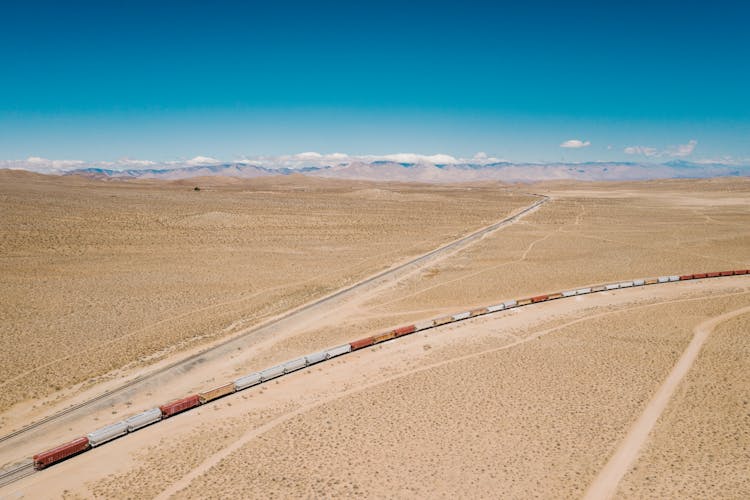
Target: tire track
point(217, 457)
point(273, 324)
point(605, 484)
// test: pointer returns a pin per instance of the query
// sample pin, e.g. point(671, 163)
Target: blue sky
point(169, 80)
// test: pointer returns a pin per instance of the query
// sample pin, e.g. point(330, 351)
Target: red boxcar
point(712, 275)
point(405, 330)
point(699, 276)
point(726, 273)
point(740, 271)
point(359, 344)
point(175, 407)
point(686, 277)
point(62, 452)
point(539, 298)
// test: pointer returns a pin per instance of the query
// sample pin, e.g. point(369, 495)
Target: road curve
point(606, 482)
point(264, 330)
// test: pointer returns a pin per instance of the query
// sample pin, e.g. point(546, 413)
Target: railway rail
point(229, 344)
point(155, 415)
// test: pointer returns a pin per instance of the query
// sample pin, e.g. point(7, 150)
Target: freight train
point(153, 415)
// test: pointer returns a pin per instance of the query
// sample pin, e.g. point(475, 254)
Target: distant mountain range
point(429, 172)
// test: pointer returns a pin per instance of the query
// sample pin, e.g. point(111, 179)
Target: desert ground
point(525, 403)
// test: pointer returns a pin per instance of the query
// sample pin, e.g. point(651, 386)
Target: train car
point(598, 288)
point(556, 295)
point(653, 281)
point(247, 381)
point(674, 278)
point(639, 282)
point(496, 307)
point(460, 316)
point(569, 293)
point(726, 273)
point(715, 274)
point(442, 321)
point(663, 279)
point(612, 286)
point(626, 284)
point(510, 303)
point(216, 393)
point(423, 325)
point(699, 276)
point(179, 405)
point(539, 298)
point(338, 351)
point(361, 343)
point(405, 330)
point(740, 272)
point(478, 311)
point(686, 277)
point(294, 365)
point(67, 450)
point(383, 337)
point(108, 433)
point(143, 419)
point(523, 302)
point(315, 357)
point(271, 373)
point(583, 291)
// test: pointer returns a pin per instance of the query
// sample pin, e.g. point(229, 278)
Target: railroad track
point(198, 357)
point(12, 474)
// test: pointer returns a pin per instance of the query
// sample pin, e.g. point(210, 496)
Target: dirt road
point(605, 484)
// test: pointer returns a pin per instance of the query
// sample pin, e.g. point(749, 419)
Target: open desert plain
point(117, 296)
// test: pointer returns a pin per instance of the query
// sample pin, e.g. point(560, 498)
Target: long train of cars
point(153, 415)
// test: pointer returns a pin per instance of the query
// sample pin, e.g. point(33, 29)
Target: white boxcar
point(423, 325)
point(247, 381)
point(108, 433)
point(674, 278)
point(338, 351)
point(273, 372)
point(639, 282)
point(663, 279)
point(294, 365)
point(496, 307)
point(316, 357)
point(583, 291)
point(626, 284)
point(510, 303)
point(569, 293)
point(460, 316)
point(612, 286)
point(143, 419)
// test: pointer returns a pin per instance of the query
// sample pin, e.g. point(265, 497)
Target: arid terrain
point(525, 403)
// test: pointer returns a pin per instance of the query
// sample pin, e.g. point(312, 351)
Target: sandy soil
point(566, 400)
point(700, 448)
point(100, 276)
point(529, 402)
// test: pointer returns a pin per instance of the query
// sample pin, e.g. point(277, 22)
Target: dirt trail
point(605, 484)
point(267, 332)
point(216, 458)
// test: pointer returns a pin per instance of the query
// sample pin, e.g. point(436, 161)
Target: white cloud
point(200, 161)
point(678, 151)
point(310, 155)
point(641, 150)
point(43, 165)
point(575, 144)
point(682, 150)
